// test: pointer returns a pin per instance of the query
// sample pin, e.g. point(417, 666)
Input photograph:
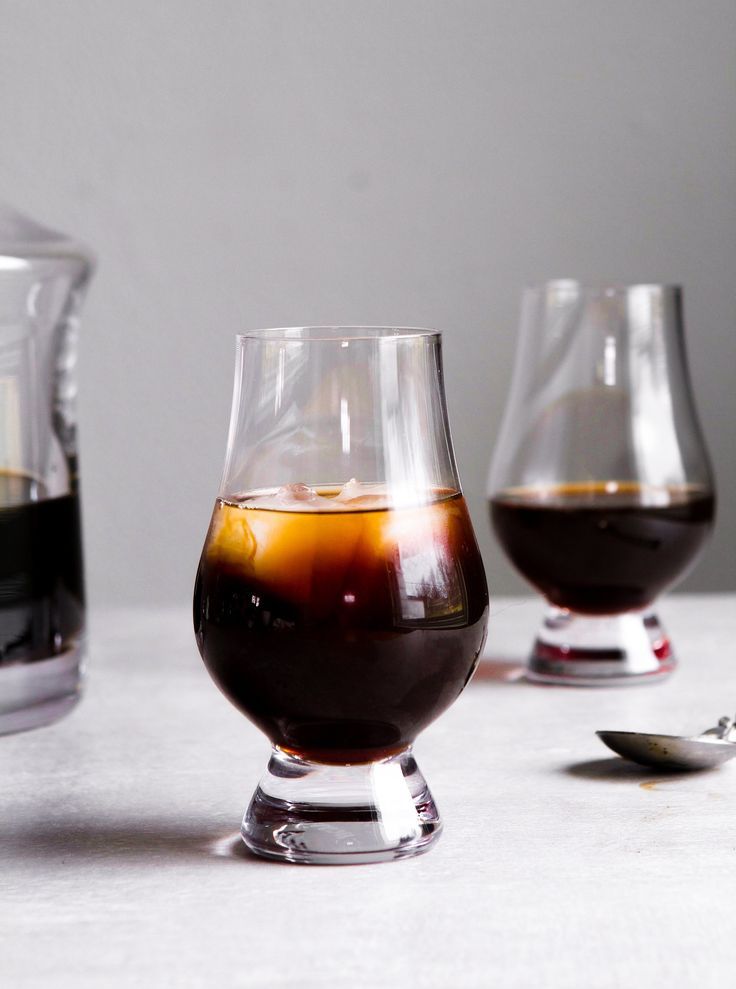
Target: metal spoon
point(705, 751)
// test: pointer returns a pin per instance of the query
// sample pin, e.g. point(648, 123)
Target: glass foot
point(322, 814)
point(600, 651)
point(38, 693)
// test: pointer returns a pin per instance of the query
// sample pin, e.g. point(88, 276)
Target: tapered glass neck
point(600, 391)
point(323, 405)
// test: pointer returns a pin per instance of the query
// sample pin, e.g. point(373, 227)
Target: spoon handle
point(725, 729)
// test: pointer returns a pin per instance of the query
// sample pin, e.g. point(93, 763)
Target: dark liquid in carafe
point(602, 547)
point(341, 634)
point(41, 577)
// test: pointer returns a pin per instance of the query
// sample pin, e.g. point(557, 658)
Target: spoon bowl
point(679, 752)
point(669, 751)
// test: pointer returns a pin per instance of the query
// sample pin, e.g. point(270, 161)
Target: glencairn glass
point(600, 488)
point(340, 601)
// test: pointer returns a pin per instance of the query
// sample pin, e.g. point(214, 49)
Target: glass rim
point(17, 262)
point(602, 287)
point(336, 333)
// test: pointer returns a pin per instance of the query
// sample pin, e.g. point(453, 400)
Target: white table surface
point(120, 862)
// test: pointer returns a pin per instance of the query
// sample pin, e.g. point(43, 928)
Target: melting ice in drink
point(301, 498)
point(340, 624)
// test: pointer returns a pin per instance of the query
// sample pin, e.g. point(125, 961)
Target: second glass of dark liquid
point(601, 493)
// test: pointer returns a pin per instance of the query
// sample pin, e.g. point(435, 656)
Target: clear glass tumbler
point(340, 601)
point(600, 487)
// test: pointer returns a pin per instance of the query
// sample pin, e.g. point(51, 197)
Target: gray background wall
point(241, 164)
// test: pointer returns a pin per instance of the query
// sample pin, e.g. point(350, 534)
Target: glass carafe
point(43, 276)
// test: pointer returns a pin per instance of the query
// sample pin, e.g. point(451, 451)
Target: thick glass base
point(341, 815)
point(36, 694)
point(600, 651)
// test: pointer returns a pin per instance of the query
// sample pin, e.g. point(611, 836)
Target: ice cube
point(358, 494)
point(351, 489)
point(353, 496)
point(299, 493)
point(293, 498)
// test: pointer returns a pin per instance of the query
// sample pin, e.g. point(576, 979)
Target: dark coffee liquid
point(41, 579)
point(341, 634)
point(602, 548)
